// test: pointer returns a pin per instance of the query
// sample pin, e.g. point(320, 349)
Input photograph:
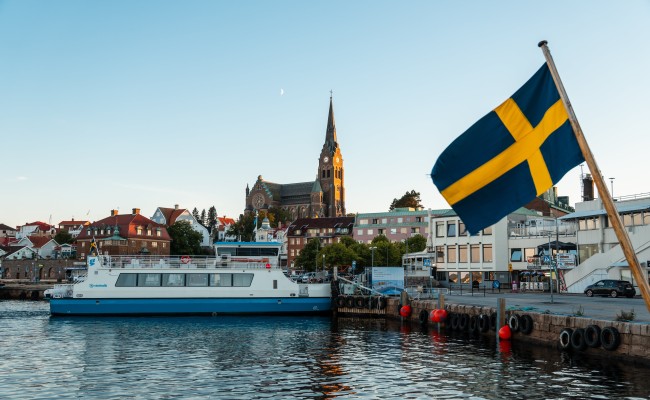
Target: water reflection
point(285, 357)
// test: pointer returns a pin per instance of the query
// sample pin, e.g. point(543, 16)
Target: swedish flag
point(93, 248)
point(510, 156)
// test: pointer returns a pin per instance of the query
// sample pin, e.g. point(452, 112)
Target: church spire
point(330, 135)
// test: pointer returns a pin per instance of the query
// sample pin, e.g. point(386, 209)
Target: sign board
point(388, 280)
point(566, 260)
point(427, 262)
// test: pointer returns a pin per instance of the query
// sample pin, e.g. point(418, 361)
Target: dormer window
point(139, 230)
point(148, 232)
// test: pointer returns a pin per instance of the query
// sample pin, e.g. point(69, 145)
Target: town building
point(599, 254)
point(7, 231)
point(322, 197)
point(37, 228)
point(397, 225)
point(221, 230)
point(327, 230)
point(169, 216)
point(73, 227)
point(44, 247)
point(125, 234)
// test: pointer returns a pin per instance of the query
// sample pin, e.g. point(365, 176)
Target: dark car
point(611, 287)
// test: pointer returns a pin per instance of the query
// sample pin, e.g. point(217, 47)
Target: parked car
point(611, 287)
point(308, 277)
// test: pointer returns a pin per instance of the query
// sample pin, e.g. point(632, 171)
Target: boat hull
point(190, 306)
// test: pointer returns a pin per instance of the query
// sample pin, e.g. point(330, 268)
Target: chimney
point(113, 213)
point(587, 188)
point(136, 211)
point(175, 206)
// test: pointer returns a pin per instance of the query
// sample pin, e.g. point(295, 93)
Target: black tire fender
point(565, 338)
point(592, 336)
point(423, 317)
point(610, 338)
point(359, 301)
point(513, 322)
point(382, 303)
point(473, 324)
point(349, 301)
point(455, 321)
point(483, 323)
point(526, 324)
point(463, 322)
point(340, 301)
point(578, 339)
point(493, 321)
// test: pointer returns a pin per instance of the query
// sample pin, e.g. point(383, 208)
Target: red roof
point(73, 223)
point(171, 214)
point(38, 241)
point(41, 225)
point(226, 221)
point(128, 225)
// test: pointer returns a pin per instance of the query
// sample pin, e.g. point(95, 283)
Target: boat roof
point(247, 244)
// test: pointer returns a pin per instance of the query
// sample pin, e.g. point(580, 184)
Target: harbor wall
point(634, 337)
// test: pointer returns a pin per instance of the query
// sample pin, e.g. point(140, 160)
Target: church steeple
point(330, 135)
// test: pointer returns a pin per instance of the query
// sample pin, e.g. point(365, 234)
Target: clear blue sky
point(122, 104)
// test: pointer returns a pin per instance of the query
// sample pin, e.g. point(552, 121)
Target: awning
point(621, 208)
point(558, 245)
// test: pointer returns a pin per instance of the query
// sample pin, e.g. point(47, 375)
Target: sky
point(144, 104)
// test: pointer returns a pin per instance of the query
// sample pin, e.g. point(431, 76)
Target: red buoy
point(433, 316)
point(441, 315)
point(505, 333)
point(405, 311)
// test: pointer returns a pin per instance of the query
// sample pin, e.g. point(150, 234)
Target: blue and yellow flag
point(93, 251)
point(510, 156)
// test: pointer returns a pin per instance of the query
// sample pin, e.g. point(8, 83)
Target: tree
point(280, 216)
point(416, 243)
point(204, 218)
point(308, 255)
point(185, 240)
point(410, 199)
point(242, 228)
point(195, 214)
point(63, 237)
point(336, 255)
point(212, 218)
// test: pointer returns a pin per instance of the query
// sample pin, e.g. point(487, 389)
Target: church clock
point(258, 200)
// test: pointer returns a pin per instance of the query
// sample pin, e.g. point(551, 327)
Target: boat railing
point(185, 262)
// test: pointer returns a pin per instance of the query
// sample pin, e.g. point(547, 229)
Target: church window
point(323, 174)
point(328, 173)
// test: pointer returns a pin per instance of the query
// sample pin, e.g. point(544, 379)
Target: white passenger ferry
point(244, 278)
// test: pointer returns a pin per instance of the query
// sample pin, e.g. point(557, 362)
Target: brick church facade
point(320, 198)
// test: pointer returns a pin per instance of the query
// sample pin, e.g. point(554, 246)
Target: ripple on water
point(281, 357)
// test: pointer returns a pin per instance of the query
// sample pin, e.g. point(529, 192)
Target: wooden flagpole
point(614, 218)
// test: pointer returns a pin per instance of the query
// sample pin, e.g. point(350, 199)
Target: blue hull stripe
point(163, 306)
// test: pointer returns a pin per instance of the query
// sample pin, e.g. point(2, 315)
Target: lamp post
point(323, 264)
point(550, 265)
point(611, 182)
point(372, 262)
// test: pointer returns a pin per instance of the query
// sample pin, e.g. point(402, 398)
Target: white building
point(600, 255)
point(169, 216)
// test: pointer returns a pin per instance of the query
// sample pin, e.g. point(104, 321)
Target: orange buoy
point(505, 333)
point(405, 311)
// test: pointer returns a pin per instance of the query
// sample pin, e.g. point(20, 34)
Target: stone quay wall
point(634, 343)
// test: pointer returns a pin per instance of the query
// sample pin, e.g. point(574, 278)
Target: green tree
point(308, 255)
point(242, 229)
point(204, 218)
point(63, 237)
point(336, 255)
point(195, 214)
point(280, 216)
point(416, 243)
point(212, 218)
point(410, 199)
point(185, 240)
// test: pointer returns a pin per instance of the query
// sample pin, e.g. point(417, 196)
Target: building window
point(418, 219)
point(462, 231)
point(380, 231)
point(475, 253)
point(646, 218)
point(402, 230)
point(164, 245)
point(139, 230)
point(154, 244)
point(440, 229)
point(400, 220)
point(384, 221)
point(374, 221)
point(515, 255)
point(462, 253)
point(451, 229)
point(359, 232)
point(440, 254)
point(370, 231)
point(529, 253)
point(414, 230)
point(487, 231)
point(487, 253)
point(477, 277)
point(452, 256)
point(148, 232)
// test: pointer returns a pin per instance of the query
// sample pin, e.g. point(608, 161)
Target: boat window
point(149, 280)
point(197, 279)
point(221, 280)
point(126, 280)
point(173, 279)
point(242, 280)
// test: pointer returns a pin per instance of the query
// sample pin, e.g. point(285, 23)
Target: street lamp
point(611, 181)
point(372, 258)
point(323, 264)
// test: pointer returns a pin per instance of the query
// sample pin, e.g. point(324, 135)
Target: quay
point(549, 319)
point(24, 290)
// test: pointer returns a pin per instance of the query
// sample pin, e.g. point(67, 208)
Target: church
point(320, 198)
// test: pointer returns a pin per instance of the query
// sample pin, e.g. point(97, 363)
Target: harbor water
point(229, 357)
